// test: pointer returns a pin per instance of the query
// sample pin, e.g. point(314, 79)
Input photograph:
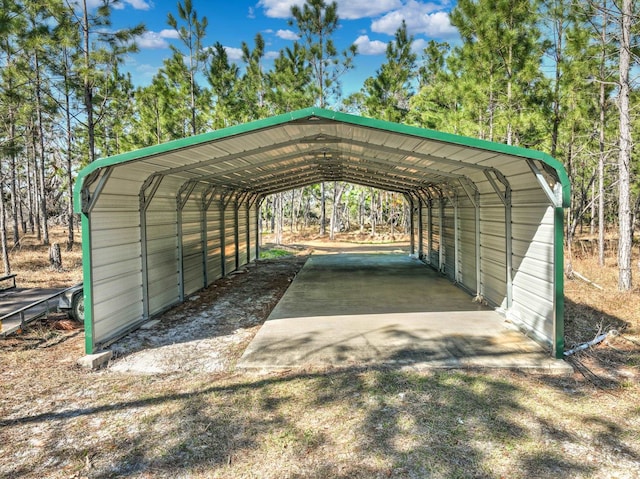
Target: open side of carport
point(160, 223)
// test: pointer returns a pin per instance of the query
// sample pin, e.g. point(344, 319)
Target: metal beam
point(555, 197)
point(407, 153)
point(506, 200)
point(89, 199)
point(473, 194)
point(147, 192)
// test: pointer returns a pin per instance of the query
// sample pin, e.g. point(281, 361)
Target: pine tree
point(192, 34)
point(289, 82)
point(625, 240)
point(252, 86)
point(100, 48)
point(387, 94)
point(316, 22)
point(223, 78)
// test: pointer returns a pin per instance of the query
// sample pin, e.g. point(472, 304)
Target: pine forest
point(559, 76)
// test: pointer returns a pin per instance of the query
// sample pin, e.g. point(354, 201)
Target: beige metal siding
point(192, 247)
point(448, 235)
point(214, 236)
point(533, 264)
point(243, 228)
point(493, 275)
point(434, 253)
point(467, 244)
point(426, 231)
point(253, 234)
point(116, 259)
point(230, 238)
point(162, 247)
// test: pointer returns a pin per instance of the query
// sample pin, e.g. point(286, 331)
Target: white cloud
point(418, 45)
point(347, 9)
point(287, 35)
point(234, 54)
point(354, 9)
point(156, 40)
point(169, 33)
point(370, 47)
point(270, 55)
point(139, 4)
point(279, 8)
point(421, 18)
point(136, 4)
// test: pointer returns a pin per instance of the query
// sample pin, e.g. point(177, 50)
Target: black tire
point(77, 307)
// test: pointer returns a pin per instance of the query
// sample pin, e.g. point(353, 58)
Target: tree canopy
point(553, 75)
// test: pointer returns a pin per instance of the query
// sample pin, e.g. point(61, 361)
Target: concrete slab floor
point(387, 309)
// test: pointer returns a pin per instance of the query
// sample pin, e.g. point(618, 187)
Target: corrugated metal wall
point(253, 232)
point(230, 246)
point(532, 243)
point(186, 246)
point(162, 247)
point(466, 261)
point(426, 232)
point(214, 237)
point(243, 230)
point(434, 251)
point(533, 258)
point(448, 240)
point(192, 245)
point(115, 256)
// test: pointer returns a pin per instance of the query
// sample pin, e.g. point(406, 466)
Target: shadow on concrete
point(387, 308)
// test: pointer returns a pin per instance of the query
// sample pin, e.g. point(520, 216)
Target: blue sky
point(370, 24)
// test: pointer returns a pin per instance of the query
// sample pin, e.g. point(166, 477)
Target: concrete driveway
point(387, 309)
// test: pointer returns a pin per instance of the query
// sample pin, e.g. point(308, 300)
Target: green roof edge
point(328, 115)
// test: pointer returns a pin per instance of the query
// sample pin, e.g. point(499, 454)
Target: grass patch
point(274, 253)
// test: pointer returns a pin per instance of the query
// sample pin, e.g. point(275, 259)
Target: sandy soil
point(211, 329)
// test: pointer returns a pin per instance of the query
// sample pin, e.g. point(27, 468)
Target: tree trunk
point(69, 148)
point(373, 214)
point(3, 234)
point(55, 257)
point(624, 158)
point(88, 88)
point(391, 216)
point(361, 211)
point(43, 196)
point(35, 204)
point(602, 156)
point(338, 189)
point(323, 210)
point(14, 180)
point(279, 215)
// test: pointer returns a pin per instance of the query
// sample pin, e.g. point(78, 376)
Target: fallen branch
point(593, 342)
point(586, 280)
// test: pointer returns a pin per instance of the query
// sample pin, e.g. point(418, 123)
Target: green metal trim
point(86, 286)
point(558, 252)
point(319, 114)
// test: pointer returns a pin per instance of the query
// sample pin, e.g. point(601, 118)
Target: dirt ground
point(171, 405)
point(210, 331)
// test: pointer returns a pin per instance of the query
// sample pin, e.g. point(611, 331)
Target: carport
point(163, 222)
